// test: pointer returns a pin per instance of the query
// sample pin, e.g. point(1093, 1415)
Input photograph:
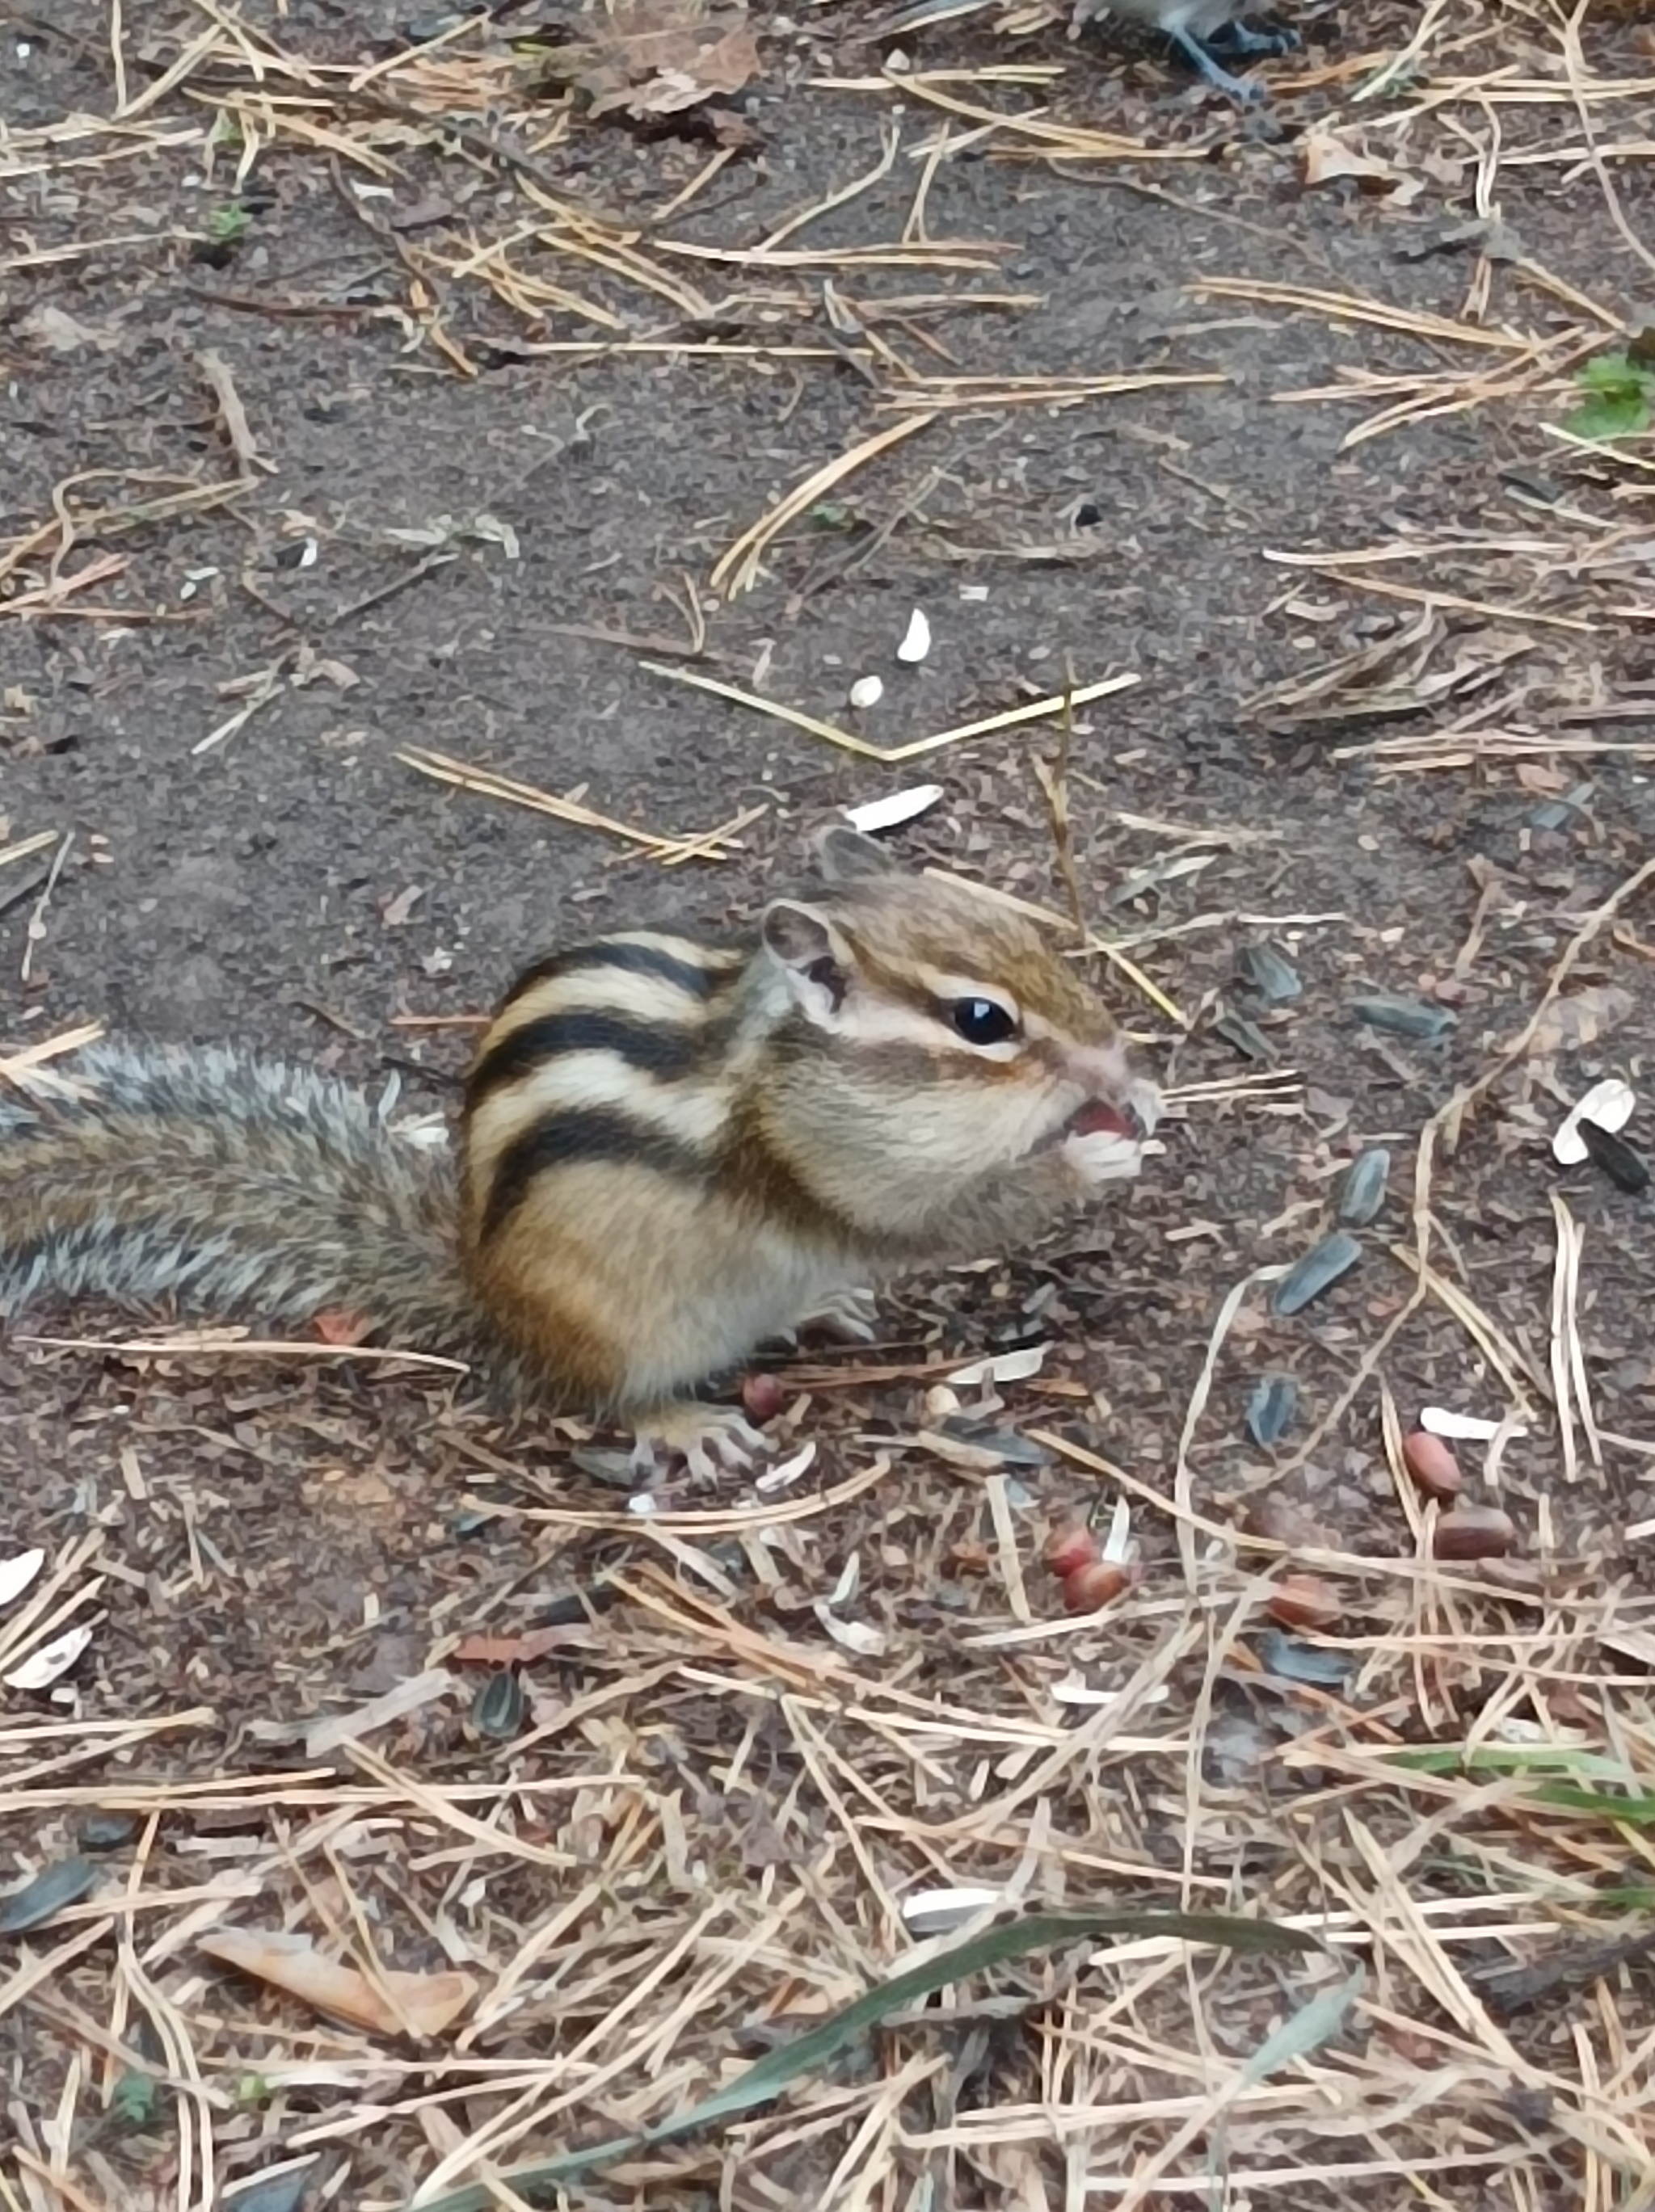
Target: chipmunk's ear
point(846, 856)
point(813, 958)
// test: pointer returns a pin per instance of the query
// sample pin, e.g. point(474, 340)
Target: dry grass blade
point(1037, 710)
point(738, 570)
point(701, 845)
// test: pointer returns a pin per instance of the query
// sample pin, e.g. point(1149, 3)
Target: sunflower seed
point(1363, 1192)
point(1319, 1269)
point(1610, 1104)
point(1626, 1169)
point(1264, 971)
point(1271, 1408)
point(1408, 1017)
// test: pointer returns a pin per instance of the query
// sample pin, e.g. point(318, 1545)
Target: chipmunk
point(669, 1153)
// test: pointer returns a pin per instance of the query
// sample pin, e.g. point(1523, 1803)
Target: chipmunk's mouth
point(1132, 1116)
point(1097, 1118)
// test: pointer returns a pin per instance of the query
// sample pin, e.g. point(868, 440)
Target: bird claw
point(1237, 38)
point(1196, 52)
point(710, 1440)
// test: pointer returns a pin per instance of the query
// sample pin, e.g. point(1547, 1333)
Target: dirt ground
point(419, 410)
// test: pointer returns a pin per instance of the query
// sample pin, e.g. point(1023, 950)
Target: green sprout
point(1619, 391)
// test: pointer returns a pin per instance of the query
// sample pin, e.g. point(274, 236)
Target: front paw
point(1097, 1157)
point(710, 1440)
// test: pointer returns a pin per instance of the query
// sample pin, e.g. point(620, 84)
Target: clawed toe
point(710, 1440)
point(851, 1315)
point(1237, 38)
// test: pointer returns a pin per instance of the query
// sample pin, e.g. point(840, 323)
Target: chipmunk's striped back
point(621, 1049)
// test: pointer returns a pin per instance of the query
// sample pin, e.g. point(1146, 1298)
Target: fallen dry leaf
point(59, 330)
point(661, 58)
point(1330, 159)
point(521, 1650)
point(422, 2004)
point(1544, 780)
point(1570, 1022)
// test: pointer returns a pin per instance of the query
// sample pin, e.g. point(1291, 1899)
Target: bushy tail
point(231, 1189)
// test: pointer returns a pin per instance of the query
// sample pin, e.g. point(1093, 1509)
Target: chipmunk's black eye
point(981, 1021)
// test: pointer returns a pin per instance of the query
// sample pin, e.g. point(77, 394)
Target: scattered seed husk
point(17, 1572)
point(1263, 969)
point(1465, 1428)
point(1248, 1040)
point(106, 1831)
point(1626, 1169)
point(1003, 1367)
point(900, 807)
point(283, 2192)
point(916, 638)
point(1556, 813)
point(1474, 1532)
point(1433, 1467)
point(1294, 1661)
point(934, 1911)
point(787, 1470)
point(497, 1709)
point(1271, 1407)
point(1306, 1602)
point(1363, 1191)
point(53, 1891)
point(1088, 1589)
point(42, 1668)
point(1609, 1103)
point(866, 691)
point(1319, 1269)
point(1408, 1017)
point(1011, 1449)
